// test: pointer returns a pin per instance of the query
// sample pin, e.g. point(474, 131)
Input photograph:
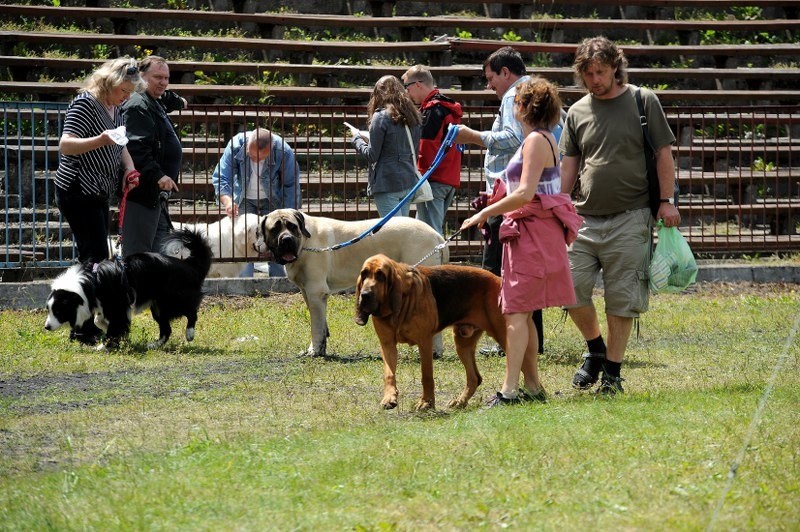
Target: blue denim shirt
point(280, 175)
point(504, 138)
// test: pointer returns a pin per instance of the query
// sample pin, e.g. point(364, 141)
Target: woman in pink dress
point(539, 222)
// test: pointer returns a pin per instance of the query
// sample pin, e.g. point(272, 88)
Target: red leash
point(131, 182)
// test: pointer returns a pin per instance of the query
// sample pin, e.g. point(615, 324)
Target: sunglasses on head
point(131, 71)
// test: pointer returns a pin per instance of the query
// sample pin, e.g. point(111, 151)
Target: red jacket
point(438, 112)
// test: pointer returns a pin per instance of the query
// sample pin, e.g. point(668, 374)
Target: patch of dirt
point(240, 302)
point(105, 388)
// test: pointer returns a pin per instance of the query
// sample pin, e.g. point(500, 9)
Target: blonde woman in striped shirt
point(88, 173)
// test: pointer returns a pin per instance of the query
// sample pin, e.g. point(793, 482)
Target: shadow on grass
point(568, 359)
point(356, 357)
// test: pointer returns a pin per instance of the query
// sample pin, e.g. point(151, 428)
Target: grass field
point(237, 431)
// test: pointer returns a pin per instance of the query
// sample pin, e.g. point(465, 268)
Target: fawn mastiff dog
point(410, 305)
point(286, 235)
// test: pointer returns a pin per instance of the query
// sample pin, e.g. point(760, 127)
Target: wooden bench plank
point(568, 94)
point(171, 41)
point(748, 117)
point(374, 70)
point(645, 3)
point(443, 21)
point(382, 47)
point(727, 50)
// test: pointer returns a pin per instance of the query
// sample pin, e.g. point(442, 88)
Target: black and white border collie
point(106, 295)
point(71, 302)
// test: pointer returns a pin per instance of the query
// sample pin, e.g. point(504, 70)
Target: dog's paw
point(423, 405)
point(157, 344)
point(389, 402)
point(190, 334)
point(458, 402)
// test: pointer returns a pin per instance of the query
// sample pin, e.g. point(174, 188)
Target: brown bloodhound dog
point(410, 305)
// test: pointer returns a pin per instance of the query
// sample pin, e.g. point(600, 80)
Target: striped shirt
point(96, 172)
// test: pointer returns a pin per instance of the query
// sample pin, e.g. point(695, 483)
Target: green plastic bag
point(673, 267)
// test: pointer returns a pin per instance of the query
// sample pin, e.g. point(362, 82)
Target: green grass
point(237, 431)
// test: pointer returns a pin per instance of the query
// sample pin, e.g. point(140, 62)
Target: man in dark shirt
point(156, 152)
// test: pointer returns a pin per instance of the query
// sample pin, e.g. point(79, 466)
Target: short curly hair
point(539, 103)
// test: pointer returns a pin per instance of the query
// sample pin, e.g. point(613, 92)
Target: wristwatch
point(671, 201)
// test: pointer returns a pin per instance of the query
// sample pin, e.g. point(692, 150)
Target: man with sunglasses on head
point(157, 153)
point(438, 112)
point(504, 69)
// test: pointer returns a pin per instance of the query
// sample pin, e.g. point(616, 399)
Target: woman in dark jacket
point(393, 164)
point(156, 152)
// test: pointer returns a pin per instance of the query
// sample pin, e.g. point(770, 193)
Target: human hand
point(105, 138)
point(231, 209)
point(117, 135)
point(131, 180)
point(353, 129)
point(467, 135)
point(668, 213)
point(167, 184)
point(476, 219)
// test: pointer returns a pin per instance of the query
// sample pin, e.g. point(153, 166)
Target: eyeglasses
point(407, 85)
point(131, 71)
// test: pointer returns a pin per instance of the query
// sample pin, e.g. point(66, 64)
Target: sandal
point(527, 396)
point(500, 400)
point(589, 372)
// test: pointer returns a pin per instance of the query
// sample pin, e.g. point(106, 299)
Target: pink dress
point(535, 271)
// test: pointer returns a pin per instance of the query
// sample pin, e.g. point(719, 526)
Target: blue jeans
point(386, 201)
point(433, 212)
point(259, 207)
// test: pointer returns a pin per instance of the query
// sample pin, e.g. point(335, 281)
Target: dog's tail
point(191, 246)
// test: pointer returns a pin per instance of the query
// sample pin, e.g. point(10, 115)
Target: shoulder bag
point(653, 188)
point(424, 192)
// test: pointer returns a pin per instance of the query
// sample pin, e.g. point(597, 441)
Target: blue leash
point(447, 143)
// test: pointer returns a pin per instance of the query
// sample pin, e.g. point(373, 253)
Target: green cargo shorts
point(619, 245)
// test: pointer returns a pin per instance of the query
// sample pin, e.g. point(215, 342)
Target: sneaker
point(610, 385)
point(494, 350)
point(527, 396)
point(499, 400)
point(589, 371)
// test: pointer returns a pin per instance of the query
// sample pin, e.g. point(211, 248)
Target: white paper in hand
point(118, 135)
point(357, 132)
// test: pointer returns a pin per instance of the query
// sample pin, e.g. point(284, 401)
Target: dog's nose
point(365, 296)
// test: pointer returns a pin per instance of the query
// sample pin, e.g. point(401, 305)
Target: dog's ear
point(261, 227)
point(301, 222)
point(361, 317)
point(396, 287)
